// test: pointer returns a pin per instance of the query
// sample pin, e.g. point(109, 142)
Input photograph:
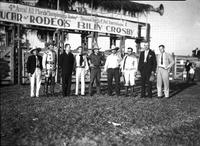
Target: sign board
point(28, 15)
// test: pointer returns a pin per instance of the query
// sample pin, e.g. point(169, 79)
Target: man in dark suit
point(147, 67)
point(66, 63)
point(34, 69)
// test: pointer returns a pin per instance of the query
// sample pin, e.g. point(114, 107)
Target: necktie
point(162, 59)
point(124, 62)
point(81, 59)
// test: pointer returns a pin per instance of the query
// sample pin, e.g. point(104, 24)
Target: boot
point(98, 91)
point(126, 91)
point(132, 92)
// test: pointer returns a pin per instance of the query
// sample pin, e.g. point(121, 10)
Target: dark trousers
point(66, 84)
point(95, 75)
point(113, 73)
point(145, 80)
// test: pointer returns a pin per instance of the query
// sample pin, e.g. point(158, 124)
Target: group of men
point(114, 67)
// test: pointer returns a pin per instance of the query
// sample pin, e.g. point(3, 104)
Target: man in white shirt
point(165, 62)
point(112, 67)
point(81, 69)
point(129, 67)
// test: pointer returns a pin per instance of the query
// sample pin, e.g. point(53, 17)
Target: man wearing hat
point(34, 69)
point(165, 62)
point(112, 67)
point(95, 60)
point(49, 65)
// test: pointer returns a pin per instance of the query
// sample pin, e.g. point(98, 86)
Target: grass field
point(100, 120)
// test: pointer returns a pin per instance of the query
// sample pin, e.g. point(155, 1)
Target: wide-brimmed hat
point(113, 47)
point(95, 47)
point(34, 48)
point(47, 44)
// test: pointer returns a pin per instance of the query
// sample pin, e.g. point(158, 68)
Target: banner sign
point(22, 14)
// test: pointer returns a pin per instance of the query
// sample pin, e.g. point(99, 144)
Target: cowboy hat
point(47, 44)
point(34, 48)
point(113, 47)
point(95, 47)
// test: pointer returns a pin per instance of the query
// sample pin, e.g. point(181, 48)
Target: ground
point(101, 120)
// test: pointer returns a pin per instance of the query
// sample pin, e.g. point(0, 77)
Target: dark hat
point(113, 47)
point(34, 48)
point(47, 44)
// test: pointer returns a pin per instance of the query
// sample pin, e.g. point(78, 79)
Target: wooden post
point(122, 45)
point(12, 52)
point(19, 56)
point(57, 55)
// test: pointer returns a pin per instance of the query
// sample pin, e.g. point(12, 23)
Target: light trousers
point(163, 77)
point(35, 79)
point(129, 76)
point(80, 74)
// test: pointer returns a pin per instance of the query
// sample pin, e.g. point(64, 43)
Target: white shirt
point(84, 63)
point(129, 62)
point(146, 52)
point(112, 61)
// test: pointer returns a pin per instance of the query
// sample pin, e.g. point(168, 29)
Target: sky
point(178, 29)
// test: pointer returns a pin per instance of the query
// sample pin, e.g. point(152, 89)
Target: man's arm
point(44, 58)
point(171, 60)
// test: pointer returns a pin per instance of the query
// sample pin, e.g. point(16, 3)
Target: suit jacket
point(187, 66)
point(66, 63)
point(167, 60)
point(31, 63)
point(151, 63)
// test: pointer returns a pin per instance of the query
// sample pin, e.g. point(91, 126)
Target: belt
point(162, 67)
point(80, 67)
point(129, 69)
point(50, 62)
point(114, 68)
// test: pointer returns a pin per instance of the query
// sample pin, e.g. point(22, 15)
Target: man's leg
point(132, 82)
point(38, 81)
point(143, 82)
point(82, 74)
point(149, 86)
point(159, 82)
point(126, 77)
point(78, 74)
point(166, 82)
point(92, 77)
point(32, 84)
point(52, 84)
point(98, 82)
point(69, 80)
point(117, 81)
point(64, 84)
point(110, 79)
